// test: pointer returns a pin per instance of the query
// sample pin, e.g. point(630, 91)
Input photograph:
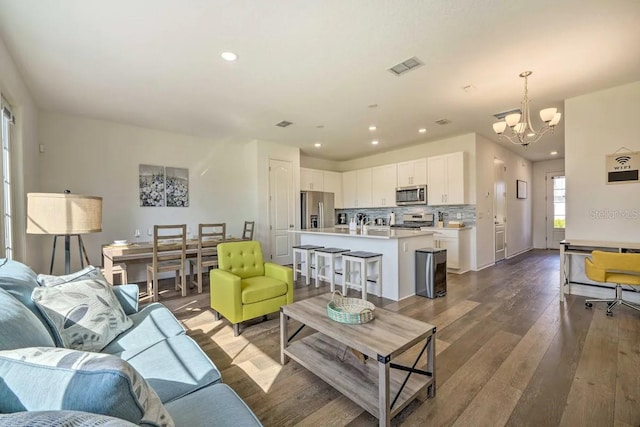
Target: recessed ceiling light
point(229, 56)
point(372, 128)
point(374, 142)
point(317, 145)
point(553, 153)
point(422, 130)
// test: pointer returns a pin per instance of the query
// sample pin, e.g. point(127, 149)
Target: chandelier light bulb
point(547, 114)
point(512, 119)
point(556, 119)
point(499, 127)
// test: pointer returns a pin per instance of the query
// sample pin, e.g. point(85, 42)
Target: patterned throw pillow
point(80, 381)
point(85, 315)
point(61, 419)
point(89, 272)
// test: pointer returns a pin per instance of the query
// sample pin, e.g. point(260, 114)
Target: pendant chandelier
point(521, 131)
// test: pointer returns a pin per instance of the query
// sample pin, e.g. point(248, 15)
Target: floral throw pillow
point(89, 272)
point(85, 314)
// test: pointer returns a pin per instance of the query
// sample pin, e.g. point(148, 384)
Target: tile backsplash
point(468, 213)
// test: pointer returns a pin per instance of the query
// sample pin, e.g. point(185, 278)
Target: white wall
point(316, 163)
point(540, 170)
point(25, 158)
point(101, 158)
point(598, 124)
point(519, 211)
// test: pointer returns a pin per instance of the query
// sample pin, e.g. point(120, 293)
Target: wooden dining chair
point(209, 235)
point(169, 254)
point(247, 232)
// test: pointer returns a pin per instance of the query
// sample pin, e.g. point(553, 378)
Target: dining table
point(142, 252)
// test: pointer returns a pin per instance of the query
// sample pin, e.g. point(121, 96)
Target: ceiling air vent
point(284, 124)
point(406, 66)
point(443, 122)
point(502, 115)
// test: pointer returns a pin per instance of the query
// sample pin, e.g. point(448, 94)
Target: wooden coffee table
point(380, 386)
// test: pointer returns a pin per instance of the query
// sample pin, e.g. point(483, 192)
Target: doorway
point(500, 208)
point(281, 210)
point(556, 208)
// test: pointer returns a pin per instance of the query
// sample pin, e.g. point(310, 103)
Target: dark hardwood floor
point(508, 353)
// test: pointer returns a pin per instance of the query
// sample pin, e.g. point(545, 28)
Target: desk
point(584, 248)
point(143, 253)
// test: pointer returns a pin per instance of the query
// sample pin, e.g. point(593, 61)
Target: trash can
point(431, 272)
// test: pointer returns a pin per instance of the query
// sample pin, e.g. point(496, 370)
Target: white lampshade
point(61, 213)
point(556, 119)
point(499, 127)
point(547, 114)
point(520, 128)
point(512, 119)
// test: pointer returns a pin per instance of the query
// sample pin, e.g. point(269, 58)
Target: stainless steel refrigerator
point(317, 209)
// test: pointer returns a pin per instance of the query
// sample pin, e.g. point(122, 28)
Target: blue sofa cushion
point(61, 419)
point(230, 410)
point(175, 367)
point(85, 314)
point(128, 297)
point(77, 380)
point(20, 281)
point(19, 327)
point(152, 324)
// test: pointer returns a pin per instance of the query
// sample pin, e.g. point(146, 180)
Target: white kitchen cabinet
point(333, 184)
point(311, 180)
point(350, 189)
point(383, 185)
point(446, 176)
point(413, 172)
point(365, 196)
point(356, 189)
point(457, 243)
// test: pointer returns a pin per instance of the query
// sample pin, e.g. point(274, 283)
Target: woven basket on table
point(349, 310)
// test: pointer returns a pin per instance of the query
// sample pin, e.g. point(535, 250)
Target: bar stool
point(306, 253)
point(363, 259)
point(120, 270)
point(330, 254)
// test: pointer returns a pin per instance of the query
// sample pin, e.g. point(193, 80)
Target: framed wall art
point(521, 189)
point(163, 186)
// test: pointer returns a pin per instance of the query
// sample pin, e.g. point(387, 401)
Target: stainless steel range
point(413, 221)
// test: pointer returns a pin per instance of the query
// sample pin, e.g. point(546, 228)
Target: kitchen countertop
point(372, 233)
point(436, 229)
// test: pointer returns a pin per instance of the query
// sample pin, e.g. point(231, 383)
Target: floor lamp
point(64, 215)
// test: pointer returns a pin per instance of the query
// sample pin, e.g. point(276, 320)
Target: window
point(559, 202)
point(6, 209)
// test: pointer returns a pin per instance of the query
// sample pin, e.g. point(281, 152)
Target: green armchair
point(244, 287)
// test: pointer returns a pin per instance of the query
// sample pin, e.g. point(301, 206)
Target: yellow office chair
point(612, 267)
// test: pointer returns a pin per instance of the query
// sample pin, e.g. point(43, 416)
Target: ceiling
point(320, 64)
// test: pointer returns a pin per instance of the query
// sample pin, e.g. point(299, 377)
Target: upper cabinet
point(356, 189)
point(446, 180)
point(333, 184)
point(383, 185)
point(311, 180)
point(412, 173)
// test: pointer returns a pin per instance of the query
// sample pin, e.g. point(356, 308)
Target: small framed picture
point(521, 189)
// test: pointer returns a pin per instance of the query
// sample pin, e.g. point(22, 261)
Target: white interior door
point(281, 210)
point(556, 205)
point(499, 208)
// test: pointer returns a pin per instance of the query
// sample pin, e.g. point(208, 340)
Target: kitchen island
point(396, 246)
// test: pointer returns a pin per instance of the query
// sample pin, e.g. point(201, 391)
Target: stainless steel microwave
point(414, 195)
